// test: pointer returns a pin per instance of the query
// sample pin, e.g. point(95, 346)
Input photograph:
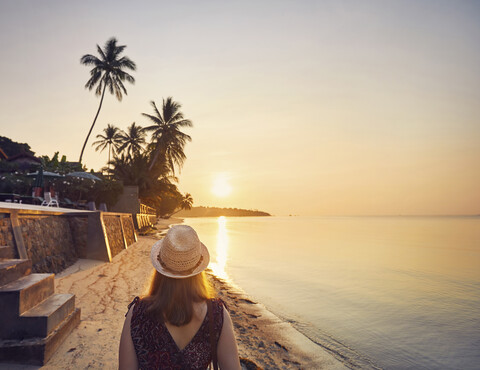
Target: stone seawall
point(6, 235)
point(129, 229)
point(79, 229)
point(48, 242)
point(55, 238)
point(113, 227)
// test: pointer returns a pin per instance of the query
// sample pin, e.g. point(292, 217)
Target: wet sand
point(104, 290)
point(265, 339)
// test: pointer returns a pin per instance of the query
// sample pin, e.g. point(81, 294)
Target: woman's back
point(182, 347)
point(182, 335)
point(178, 325)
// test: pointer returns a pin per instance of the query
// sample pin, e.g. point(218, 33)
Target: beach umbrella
point(84, 175)
point(45, 174)
point(40, 175)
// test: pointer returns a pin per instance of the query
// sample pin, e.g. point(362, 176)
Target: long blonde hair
point(172, 299)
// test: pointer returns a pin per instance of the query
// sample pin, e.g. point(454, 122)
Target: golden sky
point(299, 107)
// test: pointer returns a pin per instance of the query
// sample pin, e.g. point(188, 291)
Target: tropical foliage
point(185, 204)
point(110, 139)
point(11, 147)
point(151, 163)
point(15, 182)
point(132, 141)
point(108, 72)
point(61, 166)
point(168, 141)
point(148, 157)
point(77, 188)
point(15, 179)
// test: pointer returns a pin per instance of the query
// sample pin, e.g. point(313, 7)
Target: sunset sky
point(299, 107)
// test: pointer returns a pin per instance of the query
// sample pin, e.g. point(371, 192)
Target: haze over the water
point(299, 107)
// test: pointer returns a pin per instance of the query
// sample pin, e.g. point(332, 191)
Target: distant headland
point(217, 212)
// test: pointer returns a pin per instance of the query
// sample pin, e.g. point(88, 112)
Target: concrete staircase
point(33, 320)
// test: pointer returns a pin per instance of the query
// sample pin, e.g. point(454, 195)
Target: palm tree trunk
point(93, 124)
point(181, 209)
point(154, 158)
point(109, 150)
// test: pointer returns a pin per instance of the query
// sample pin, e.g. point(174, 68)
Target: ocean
point(377, 292)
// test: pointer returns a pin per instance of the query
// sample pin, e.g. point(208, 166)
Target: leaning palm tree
point(111, 139)
point(167, 139)
point(108, 71)
point(186, 203)
point(133, 140)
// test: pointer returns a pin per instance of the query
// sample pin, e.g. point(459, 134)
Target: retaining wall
point(48, 242)
point(6, 234)
point(115, 235)
point(54, 240)
point(144, 220)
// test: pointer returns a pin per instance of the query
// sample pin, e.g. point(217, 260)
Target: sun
point(221, 187)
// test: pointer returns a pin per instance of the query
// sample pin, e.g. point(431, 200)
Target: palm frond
point(168, 141)
point(125, 62)
point(157, 120)
point(160, 117)
point(89, 59)
point(109, 69)
point(184, 123)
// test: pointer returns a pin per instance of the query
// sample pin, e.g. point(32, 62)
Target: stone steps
point(12, 270)
point(37, 351)
point(42, 319)
point(25, 293)
point(34, 319)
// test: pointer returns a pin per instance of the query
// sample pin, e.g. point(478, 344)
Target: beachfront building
point(24, 159)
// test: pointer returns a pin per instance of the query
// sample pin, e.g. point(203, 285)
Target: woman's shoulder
point(218, 303)
point(137, 305)
point(132, 303)
point(218, 307)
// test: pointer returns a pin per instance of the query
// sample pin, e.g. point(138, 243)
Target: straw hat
point(180, 254)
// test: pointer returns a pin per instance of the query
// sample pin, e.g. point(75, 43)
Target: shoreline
point(266, 339)
point(104, 290)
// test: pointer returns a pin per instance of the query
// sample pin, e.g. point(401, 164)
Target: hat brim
point(156, 263)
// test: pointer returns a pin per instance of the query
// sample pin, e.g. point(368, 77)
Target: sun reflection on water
point(218, 267)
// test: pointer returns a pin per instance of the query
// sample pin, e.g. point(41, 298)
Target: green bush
point(15, 183)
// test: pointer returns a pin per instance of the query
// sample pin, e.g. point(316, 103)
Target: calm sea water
point(391, 292)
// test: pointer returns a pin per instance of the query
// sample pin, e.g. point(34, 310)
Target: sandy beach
point(103, 291)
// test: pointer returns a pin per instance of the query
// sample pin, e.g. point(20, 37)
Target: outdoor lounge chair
point(49, 201)
point(67, 203)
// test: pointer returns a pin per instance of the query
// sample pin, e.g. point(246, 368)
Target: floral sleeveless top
point(156, 349)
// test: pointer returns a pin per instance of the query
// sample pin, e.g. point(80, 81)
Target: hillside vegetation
point(217, 212)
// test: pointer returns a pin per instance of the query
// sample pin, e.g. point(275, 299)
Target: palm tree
point(185, 204)
point(108, 71)
point(167, 139)
point(111, 139)
point(133, 140)
point(134, 171)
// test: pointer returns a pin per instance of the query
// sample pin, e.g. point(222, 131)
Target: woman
point(178, 325)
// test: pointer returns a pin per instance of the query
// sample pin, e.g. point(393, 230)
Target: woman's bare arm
point(227, 351)
point(127, 358)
